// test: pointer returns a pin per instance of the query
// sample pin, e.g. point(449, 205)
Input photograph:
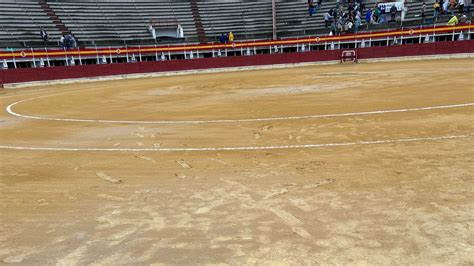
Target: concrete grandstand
point(104, 23)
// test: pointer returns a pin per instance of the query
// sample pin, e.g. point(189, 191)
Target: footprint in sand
point(109, 178)
point(145, 158)
point(183, 164)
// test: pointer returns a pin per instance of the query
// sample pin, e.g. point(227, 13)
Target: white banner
point(399, 5)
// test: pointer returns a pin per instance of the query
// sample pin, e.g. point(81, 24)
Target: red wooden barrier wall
point(55, 73)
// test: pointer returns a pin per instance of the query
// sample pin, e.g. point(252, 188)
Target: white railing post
point(140, 53)
point(469, 32)
point(184, 52)
point(47, 56)
point(14, 60)
point(33, 54)
point(65, 57)
point(126, 52)
point(97, 54)
point(79, 55)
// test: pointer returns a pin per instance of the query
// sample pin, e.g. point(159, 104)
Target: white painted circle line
point(251, 148)
point(9, 109)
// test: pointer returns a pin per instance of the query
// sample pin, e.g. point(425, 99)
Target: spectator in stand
point(44, 36)
point(357, 21)
point(423, 11)
point(437, 9)
point(376, 14)
point(381, 19)
point(339, 25)
point(393, 13)
point(73, 41)
point(461, 6)
point(361, 5)
point(311, 8)
point(333, 27)
point(467, 9)
point(222, 38)
point(453, 21)
point(61, 41)
point(328, 18)
point(231, 37)
point(340, 11)
point(152, 31)
point(445, 7)
point(320, 2)
point(368, 17)
point(452, 3)
point(452, 7)
point(357, 6)
point(348, 26)
point(69, 41)
point(179, 31)
point(345, 16)
point(350, 7)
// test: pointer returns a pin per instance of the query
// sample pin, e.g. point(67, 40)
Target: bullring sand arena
point(367, 163)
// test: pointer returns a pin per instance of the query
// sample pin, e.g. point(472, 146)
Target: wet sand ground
point(364, 202)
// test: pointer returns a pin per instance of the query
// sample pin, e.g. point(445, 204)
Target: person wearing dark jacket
point(311, 8)
point(393, 12)
point(44, 35)
point(222, 38)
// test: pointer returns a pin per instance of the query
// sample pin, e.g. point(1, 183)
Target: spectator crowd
point(442, 8)
point(348, 15)
point(67, 41)
point(226, 37)
point(344, 16)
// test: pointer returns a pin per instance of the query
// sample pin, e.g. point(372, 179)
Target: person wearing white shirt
point(180, 32)
point(446, 6)
point(61, 41)
point(327, 19)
